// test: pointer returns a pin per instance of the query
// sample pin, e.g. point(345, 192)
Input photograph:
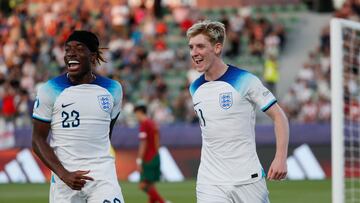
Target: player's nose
point(70, 51)
point(194, 52)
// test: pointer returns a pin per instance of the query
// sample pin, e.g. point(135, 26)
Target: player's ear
point(218, 48)
point(93, 58)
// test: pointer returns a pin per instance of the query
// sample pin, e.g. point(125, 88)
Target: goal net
point(345, 104)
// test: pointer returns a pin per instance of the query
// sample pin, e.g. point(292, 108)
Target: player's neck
point(216, 70)
point(86, 79)
point(143, 118)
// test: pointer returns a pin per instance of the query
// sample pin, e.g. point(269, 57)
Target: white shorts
point(97, 191)
point(249, 193)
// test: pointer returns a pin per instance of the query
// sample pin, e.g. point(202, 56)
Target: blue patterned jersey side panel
point(238, 78)
point(112, 86)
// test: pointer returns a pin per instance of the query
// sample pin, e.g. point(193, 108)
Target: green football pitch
point(183, 192)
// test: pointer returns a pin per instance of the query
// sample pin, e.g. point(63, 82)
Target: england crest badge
point(104, 101)
point(225, 100)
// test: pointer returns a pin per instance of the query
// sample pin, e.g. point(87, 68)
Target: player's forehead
point(74, 44)
point(199, 39)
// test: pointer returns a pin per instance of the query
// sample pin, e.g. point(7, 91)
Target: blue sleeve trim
point(52, 179)
point(41, 119)
point(263, 173)
point(269, 105)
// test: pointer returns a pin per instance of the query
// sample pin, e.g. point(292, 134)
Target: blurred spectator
point(182, 16)
point(352, 110)
point(235, 43)
point(120, 17)
point(256, 45)
point(9, 109)
point(160, 58)
point(325, 39)
point(349, 10)
point(159, 108)
point(23, 106)
point(160, 28)
point(272, 45)
point(308, 112)
point(183, 107)
point(290, 104)
point(324, 110)
point(306, 73)
point(271, 73)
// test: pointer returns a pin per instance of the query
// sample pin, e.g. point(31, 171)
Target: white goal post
point(345, 150)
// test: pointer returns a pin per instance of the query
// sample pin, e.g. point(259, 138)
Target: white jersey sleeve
point(259, 94)
point(115, 90)
point(44, 102)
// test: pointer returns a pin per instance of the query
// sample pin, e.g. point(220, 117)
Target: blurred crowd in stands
point(146, 51)
point(309, 98)
point(144, 44)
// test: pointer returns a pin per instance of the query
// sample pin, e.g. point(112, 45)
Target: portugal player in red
point(148, 159)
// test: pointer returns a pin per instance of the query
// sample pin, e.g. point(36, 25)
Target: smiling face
point(203, 53)
point(78, 59)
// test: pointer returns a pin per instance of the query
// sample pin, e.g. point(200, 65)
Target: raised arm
point(75, 180)
point(278, 168)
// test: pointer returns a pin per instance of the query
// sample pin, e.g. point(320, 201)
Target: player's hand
point(76, 180)
point(139, 164)
point(277, 170)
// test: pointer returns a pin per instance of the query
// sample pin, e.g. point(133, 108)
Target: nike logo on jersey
point(66, 105)
point(197, 104)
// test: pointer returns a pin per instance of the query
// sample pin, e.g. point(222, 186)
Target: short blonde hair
point(214, 30)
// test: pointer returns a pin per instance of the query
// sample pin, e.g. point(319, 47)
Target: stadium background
point(147, 53)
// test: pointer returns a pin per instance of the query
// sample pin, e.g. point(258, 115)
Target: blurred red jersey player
point(148, 159)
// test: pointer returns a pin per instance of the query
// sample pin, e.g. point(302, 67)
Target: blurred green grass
point(182, 192)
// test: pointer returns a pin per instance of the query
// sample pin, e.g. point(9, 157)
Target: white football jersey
point(226, 110)
point(80, 117)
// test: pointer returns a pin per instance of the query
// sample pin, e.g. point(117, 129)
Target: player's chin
point(73, 72)
point(74, 68)
point(200, 69)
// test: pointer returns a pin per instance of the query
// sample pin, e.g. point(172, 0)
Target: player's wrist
point(139, 161)
point(62, 174)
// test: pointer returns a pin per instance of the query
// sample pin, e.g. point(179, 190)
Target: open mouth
point(198, 61)
point(73, 65)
